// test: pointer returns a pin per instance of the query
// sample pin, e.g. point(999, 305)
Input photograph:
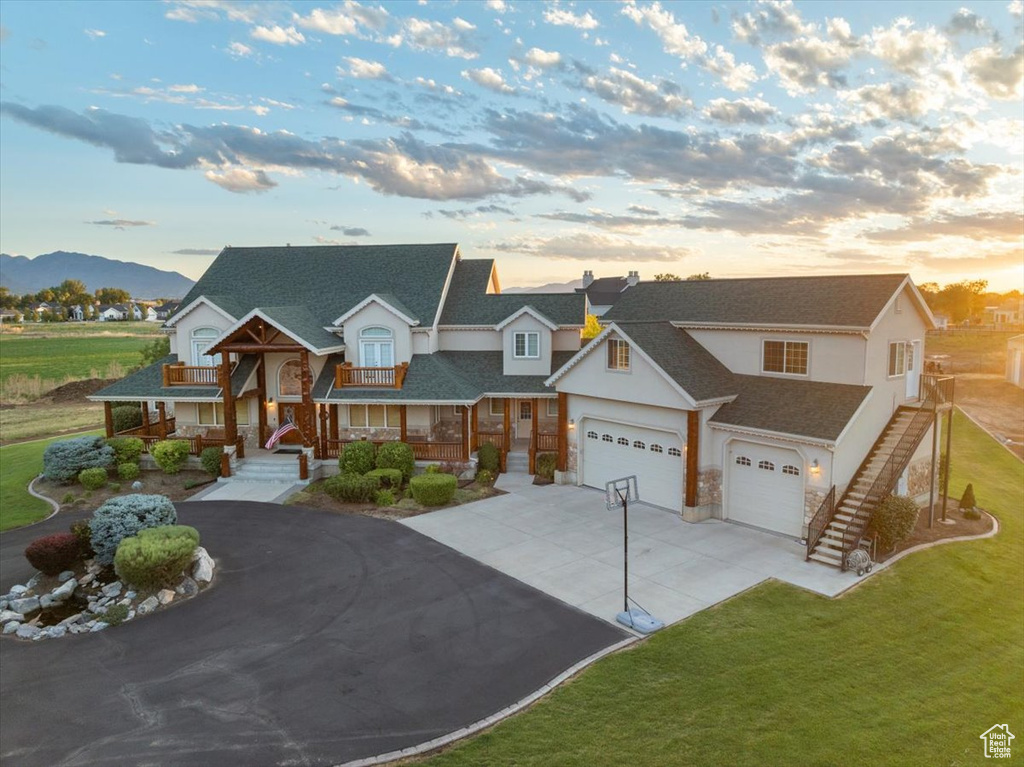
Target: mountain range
point(21, 274)
point(551, 287)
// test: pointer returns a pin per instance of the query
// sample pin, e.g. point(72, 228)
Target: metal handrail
point(821, 520)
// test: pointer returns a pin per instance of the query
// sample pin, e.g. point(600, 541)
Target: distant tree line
point(60, 299)
point(963, 301)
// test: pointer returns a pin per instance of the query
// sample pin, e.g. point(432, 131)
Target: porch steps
point(272, 469)
point(517, 462)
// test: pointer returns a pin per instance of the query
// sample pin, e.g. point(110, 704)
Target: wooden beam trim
point(692, 455)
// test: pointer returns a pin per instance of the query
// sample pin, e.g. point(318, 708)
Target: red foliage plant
point(53, 554)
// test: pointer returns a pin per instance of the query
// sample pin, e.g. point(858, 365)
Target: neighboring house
point(76, 313)
point(1008, 314)
point(164, 311)
point(1015, 360)
point(941, 321)
point(746, 400)
point(10, 315)
point(603, 292)
point(151, 314)
point(118, 312)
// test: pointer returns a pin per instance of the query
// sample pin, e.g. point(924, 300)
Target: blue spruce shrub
point(64, 460)
point(123, 517)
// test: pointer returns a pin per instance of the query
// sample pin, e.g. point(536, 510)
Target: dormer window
point(618, 355)
point(526, 345)
point(202, 338)
point(376, 348)
point(787, 357)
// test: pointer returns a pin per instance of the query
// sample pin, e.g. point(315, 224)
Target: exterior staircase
point(517, 462)
point(270, 467)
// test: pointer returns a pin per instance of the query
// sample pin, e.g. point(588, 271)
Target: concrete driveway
point(562, 540)
point(324, 638)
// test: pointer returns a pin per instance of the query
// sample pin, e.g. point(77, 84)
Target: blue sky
point(733, 138)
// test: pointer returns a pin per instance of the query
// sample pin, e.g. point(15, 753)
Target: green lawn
point(18, 465)
point(909, 668)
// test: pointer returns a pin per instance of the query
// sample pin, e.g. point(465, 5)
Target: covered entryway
point(765, 487)
point(611, 450)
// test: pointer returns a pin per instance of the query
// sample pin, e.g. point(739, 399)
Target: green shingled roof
point(802, 408)
point(469, 303)
point(147, 383)
point(684, 360)
point(834, 301)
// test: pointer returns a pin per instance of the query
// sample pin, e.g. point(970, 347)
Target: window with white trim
point(618, 354)
point(374, 416)
point(766, 465)
point(675, 452)
point(496, 406)
point(742, 460)
point(787, 357)
point(791, 470)
point(376, 347)
point(552, 408)
point(897, 359)
point(202, 338)
point(526, 344)
point(212, 413)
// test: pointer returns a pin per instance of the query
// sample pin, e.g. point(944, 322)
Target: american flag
point(283, 429)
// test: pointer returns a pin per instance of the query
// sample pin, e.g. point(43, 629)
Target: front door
point(296, 411)
point(913, 369)
point(524, 418)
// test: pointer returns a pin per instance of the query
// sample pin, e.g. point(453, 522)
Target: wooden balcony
point(180, 374)
point(386, 378)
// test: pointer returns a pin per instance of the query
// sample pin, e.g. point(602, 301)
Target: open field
point(83, 329)
point(909, 668)
point(45, 419)
point(970, 351)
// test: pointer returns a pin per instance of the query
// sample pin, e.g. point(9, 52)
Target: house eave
point(374, 298)
point(758, 326)
point(181, 313)
point(828, 444)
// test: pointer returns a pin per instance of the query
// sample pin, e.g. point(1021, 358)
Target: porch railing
point(547, 443)
point(821, 520)
point(422, 451)
point(346, 375)
point(937, 390)
point(180, 374)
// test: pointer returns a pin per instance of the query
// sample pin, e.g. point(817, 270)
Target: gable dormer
point(526, 341)
point(377, 332)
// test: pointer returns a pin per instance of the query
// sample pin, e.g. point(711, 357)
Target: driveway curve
point(324, 639)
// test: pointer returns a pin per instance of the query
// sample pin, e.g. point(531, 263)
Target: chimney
point(588, 277)
point(633, 278)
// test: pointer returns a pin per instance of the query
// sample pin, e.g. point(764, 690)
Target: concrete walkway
point(235, 490)
point(563, 541)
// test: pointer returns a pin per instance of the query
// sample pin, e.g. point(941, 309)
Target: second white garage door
point(765, 487)
point(612, 450)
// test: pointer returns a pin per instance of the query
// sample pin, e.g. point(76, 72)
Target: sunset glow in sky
point(734, 138)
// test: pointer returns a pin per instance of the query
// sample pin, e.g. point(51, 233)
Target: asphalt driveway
point(324, 639)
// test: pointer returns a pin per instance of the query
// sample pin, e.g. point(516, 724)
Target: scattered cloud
point(560, 17)
point(583, 246)
point(754, 111)
point(241, 180)
point(675, 37)
point(121, 223)
point(1001, 77)
point(277, 35)
point(195, 252)
point(543, 59)
point(361, 69)
point(239, 50)
point(1005, 225)
point(95, 34)
point(464, 213)
point(455, 40)
point(498, 6)
point(967, 22)
point(488, 78)
point(638, 96)
point(351, 231)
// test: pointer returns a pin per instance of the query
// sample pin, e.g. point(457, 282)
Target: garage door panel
point(611, 450)
point(765, 487)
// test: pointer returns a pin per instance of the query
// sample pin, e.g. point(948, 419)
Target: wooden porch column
point(261, 385)
point(563, 431)
point(108, 418)
point(692, 450)
point(323, 430)
point(465, 432)
point(506, 436)
point(230, 420)
point(403, 419)
point(145, 417)
point(308, 423)
point(161, 409)
point(334, 422)
point(474, 427)
point(533, 436)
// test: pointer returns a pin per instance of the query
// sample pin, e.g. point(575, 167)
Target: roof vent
point(633, 278)
point(588, 278)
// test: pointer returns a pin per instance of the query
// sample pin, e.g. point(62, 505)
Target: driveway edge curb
point(493, 719)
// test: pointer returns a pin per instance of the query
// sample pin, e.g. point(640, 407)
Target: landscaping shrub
point(894, 520)
point(433, 468)
point(83, 533)
point(93, 479)
point(68, 498)
point(387, 478)
point(488, 457)
point(126, 417)
point(128, 471)
point(123, 517)
point(114, 487)
point(171, 454)
point(384, 498)
point(62, 461)
point(115, 615)
point(126, 449)
point(433, 489)
point(546, 464)
point(210, 458)
point(53, 554)
point(396, 455)
point(967, 499)
point(484, 477)
point(156, 557)
point(357, 458)
point(351, 488)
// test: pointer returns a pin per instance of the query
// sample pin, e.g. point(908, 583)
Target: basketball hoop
point(617, 495)
point(619, 492)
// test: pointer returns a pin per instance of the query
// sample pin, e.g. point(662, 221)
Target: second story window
point(618, 355)
point(202, 338)
point(526, 345)
point(788, 357)
point(897, 359)
point(376, 348)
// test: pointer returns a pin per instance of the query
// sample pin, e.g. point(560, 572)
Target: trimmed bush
point(156, 557)
point(357, 458)
point(894, 521)
point(92, 479)
point(386, 478)
point(433, 489)
point(126, 417)
point(126, 449)
point(396, 455)
point(124, 517)
point(433, 468)
point(115, 615)
point(546, 464)
point(128, 471)
point(384, 498)
point(488, 457)
point(967, 499)
point(62, 461)
point(351, 488)
point(210, 458)
point(171, 454)
point(484, 477)
point(53, 554)
point(83, 533)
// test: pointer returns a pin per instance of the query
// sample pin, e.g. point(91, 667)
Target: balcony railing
point(422, 451)
point(179, 374)
point(391, 378)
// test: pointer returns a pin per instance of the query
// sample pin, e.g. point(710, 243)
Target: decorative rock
point(148, 606)
point(71, 619)
point(93, 567)
point(25, 604)
point(125, 602)
point(45, 600)
point(26, 631)
point(105, 601)
point(187, 587)
point(17, 591)
point(9, 615)
point(55, 632)
point(34, 581)
point(100, 610)
point(99, 626)
point(65, 575)
point(202, 566)
point(136, 485)
point(131, 614)
point(12, 627)
point(65, 590)
point(4, 603)
point(87, 578)
point(111, 589)
point(165, 596)
point(130, 595)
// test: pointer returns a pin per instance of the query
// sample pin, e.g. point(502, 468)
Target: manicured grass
point(20, 464)
point(908, 668)
point(37, 421)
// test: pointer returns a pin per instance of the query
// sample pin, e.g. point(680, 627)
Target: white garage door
point(766, 487)
point(611, 450)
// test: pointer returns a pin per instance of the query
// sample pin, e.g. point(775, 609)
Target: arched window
point(657, 449)
point(591, 435)
point(791, 470)
point(766, 465)
point(742, 460)
point(289, 379)
point(674, 452)
point(376, 348)
point(639, 445)
point(606, 438)
point(623, 441)
point(202, 338)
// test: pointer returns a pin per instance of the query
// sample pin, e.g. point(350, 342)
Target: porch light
point(572, 423)
point(815, 467)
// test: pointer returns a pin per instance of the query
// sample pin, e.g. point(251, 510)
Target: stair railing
point(820, 521)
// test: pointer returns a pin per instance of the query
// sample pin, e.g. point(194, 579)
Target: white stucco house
point(788, 404)
point(1015, 360)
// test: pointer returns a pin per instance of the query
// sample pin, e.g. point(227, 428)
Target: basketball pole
point(625, 552)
